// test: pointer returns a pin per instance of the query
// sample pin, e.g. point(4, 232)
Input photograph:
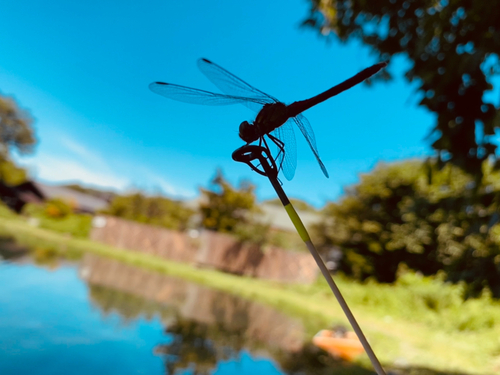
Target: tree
point(157, 210)
point(11, 174)
point(15, 132)
point(396, 216)
point(231, 210)
point(453, 47)
point(15, 128)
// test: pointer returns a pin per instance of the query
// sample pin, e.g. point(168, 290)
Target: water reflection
point(206, 327)
point(171, 326)
point(132, 291)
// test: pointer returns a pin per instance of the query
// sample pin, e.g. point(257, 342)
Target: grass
point(422, 322)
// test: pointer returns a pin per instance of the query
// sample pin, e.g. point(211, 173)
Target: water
point(100, 316)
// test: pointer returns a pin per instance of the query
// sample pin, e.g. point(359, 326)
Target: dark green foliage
point(231, 210)
point(225, 206)
point(15, 128)
point(453, 47)
point(158, 210)
point(395, 216)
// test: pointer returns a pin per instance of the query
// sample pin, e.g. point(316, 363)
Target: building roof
point(81, 201)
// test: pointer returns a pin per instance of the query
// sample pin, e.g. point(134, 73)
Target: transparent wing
point(287, 161)
point(232, 85)
point(306, 129)
point(196, 96)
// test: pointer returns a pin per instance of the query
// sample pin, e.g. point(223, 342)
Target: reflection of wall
point(211, 249)
point(252, 320)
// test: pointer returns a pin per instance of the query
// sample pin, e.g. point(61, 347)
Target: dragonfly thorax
point(270, 117)
point(248, 132)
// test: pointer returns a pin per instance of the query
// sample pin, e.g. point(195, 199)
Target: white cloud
point(74, 162)
point(56, 169)
point(154, 180)
point(80, 150)
point(63, 170)
point(77, 164)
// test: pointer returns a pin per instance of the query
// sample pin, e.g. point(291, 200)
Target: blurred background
point(130, 242)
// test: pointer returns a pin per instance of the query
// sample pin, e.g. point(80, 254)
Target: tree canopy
point(395, 216)
point(11, 174)
point(225, 206)
point(15, 128)
point(156, 210)
point(453, 47)
point(232, 210)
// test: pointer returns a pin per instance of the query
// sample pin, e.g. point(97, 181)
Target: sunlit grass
point(419, 321)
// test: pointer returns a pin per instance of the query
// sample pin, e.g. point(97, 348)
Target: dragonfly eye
point(247, 132)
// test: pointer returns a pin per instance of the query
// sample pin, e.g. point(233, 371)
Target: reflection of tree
point(206, 326)
point(43, 256)
point(9, 250)
point(198, 347)
point(190, 348)
point(312, 360)
point(127, 305)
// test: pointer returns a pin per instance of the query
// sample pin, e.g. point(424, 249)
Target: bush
point(156, 210)
point(427, 218)
point(57, 208)
point(55, 216)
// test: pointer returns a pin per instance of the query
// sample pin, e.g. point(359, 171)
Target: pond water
point(100, 316)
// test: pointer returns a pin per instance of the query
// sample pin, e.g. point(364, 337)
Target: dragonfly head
point(248, 132)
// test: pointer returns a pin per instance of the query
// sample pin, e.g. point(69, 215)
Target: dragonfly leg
point(280, 145)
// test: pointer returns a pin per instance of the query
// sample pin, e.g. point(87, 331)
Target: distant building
point(16, 197)
point(80, 202)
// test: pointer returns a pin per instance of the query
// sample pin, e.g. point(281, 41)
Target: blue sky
point(83, 70)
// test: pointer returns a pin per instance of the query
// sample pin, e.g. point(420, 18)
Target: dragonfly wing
point(196, 96)
point(232, 85)
point(287, 161)
point(306, 129)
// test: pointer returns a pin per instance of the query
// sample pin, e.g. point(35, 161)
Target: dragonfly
point(274, 121)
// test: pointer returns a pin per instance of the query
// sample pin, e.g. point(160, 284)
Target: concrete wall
point(207, 249)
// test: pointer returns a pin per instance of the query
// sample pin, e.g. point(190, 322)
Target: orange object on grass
point(346, 347)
